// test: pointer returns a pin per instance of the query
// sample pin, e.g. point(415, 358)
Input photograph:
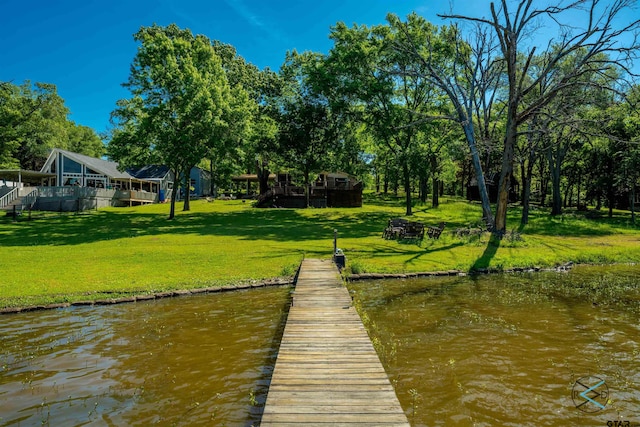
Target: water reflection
point(504, 350)
point(197, 360)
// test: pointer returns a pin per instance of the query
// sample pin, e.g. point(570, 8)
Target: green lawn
point(73, 257)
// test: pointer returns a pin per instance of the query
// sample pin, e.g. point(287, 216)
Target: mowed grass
point(119, 251)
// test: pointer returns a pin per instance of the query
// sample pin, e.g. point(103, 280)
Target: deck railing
point(8, 198)
point(89, 193)
point(135, 195)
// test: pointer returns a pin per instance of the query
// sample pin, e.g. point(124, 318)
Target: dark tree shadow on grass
point(427, 252)
point(251, 224)
point(489, 253)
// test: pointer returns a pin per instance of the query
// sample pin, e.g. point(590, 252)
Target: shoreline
point(372, 276)
point(151, 296)
point(282, 281)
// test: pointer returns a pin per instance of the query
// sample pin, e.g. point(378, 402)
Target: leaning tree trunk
point(487, 215)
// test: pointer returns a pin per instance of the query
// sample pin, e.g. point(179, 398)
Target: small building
point(200, 182)
point(491, 182)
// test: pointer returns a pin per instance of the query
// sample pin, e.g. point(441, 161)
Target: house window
point(92, 172)
point(71, 166)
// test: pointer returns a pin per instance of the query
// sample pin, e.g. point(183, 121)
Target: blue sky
point(85, 47)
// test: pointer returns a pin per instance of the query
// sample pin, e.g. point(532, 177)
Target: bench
point(395, 228)
point(414, 230)
point(399, 228)
point(435, 232)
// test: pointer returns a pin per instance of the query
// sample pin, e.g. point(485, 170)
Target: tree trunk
point(555, 169)
point(632, 202)
point(187, 191)
point(487, 215)
point(578, 192)
point(423, 189)
point(406, 175)
point(174, 193)
point(527, 174)
point(435, 200)
point(505, 176)
point(212, 184)
point(307, 188)
point(263, 176)
point(556, 204)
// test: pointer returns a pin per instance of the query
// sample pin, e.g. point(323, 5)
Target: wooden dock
point(327, 371)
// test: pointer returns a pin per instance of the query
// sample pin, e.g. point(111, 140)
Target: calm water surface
point(507, 350)
point(197, 360)
point(489, 351)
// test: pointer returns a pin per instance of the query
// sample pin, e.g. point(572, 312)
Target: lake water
point(508, 349)
point(188, 361)
point(484, 351)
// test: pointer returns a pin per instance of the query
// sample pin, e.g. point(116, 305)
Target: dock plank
point(327, 371)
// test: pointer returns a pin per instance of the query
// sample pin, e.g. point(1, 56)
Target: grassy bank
point(63, 258)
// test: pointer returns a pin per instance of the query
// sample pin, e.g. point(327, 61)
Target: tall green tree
point(308, 132)
point(252, 138)
point(33, 120)
point(372, 78)
point(180, 105)
point(84, 140)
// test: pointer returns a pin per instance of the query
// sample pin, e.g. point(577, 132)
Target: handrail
point(9, 197)
point(30, 199)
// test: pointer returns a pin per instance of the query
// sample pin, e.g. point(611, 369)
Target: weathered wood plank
point(327, 371)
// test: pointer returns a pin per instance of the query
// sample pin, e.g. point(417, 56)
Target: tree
point(252, 137)
point(600, 38)
point(33, 120)
point(621, 137)
point(468, 73)
point(84, 140)
point(307, 130)
point(379, 85)
point(180, 105)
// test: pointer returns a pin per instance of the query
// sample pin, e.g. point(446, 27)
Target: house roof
point(104, 167)
point(149, 172)
point(21, 175)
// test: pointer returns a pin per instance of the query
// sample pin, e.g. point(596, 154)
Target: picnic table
point(399, 228)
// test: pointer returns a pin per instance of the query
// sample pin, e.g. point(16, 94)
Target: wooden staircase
point(19, 199)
